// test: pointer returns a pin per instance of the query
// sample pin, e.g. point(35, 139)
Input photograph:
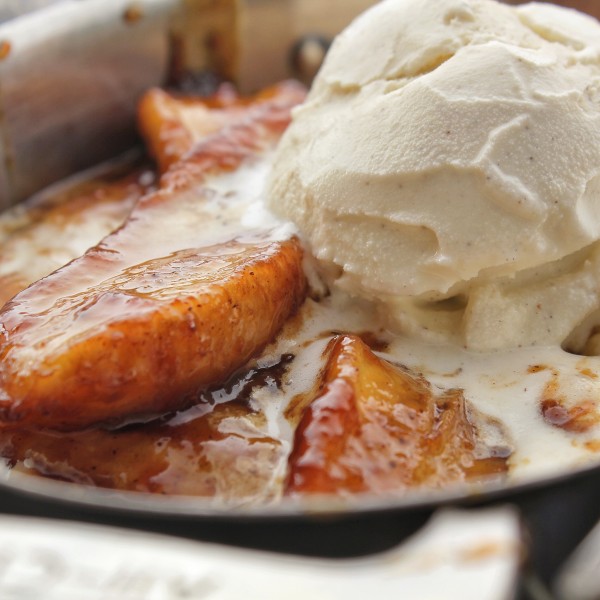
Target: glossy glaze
point(379, 428)
point(218, 448)
point(176, 298)
point(54, 230)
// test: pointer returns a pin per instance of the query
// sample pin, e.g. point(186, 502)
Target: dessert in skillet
point(377, 304)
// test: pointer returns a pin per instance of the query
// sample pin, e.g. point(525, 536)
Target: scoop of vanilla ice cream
point(447, 166)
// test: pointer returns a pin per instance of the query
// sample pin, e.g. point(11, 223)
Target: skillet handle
point(558, 517)
point(579, 579)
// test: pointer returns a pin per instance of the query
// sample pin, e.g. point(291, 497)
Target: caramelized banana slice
point(173, 124)
point(379, 428)
point(62, 226)
point(220, 448)
point(220, 453)
point(176, 299)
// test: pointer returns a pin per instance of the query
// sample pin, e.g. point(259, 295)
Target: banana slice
point(176, 299)
point(376, 427)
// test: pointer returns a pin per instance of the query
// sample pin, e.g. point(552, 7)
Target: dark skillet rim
point(141, 504)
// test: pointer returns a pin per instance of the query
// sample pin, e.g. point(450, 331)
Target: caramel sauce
point(240, 388)
point(559, 412)
point(537, 368)
point(576, 419)
point(217, 448)
point(63, 226)
point(133, 14)
point(587, 372)
point(5, 49)
point(593, 445)
point(221, 453)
